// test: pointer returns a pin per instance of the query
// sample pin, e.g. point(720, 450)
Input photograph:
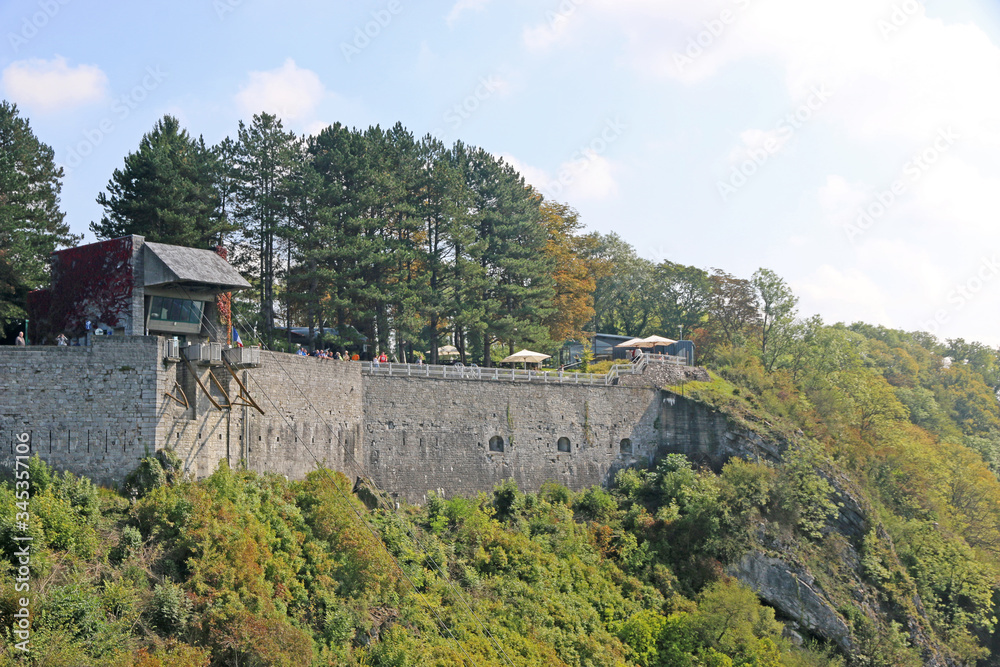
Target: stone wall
point(88, 409)
point(312, 412)
point(429, 434)
point(98, 410)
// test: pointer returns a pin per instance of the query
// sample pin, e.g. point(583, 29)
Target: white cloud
point(753, 141)
point(462, 6)
point(588, 177)
point(52, 85)
point(904, 82)
point(544, 35)
point(315, 127)
point(290, 92)
point(846, 295)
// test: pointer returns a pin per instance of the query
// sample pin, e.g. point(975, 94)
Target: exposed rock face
point(665, 375)
point(708, 437)
point(795, 594)
point(851, 518)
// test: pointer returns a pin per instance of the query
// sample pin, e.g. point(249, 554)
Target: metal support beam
point(244, 398)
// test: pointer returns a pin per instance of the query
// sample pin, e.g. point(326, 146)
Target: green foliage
point(641, 634)
point(166, 191)
point(31, 224)
point(596, 504)
point(169, 608)
point(40, 474)
point(153, 471)
point(803, 491)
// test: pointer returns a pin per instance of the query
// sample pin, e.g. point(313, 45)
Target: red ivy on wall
point(93, 282)
point(224, 301)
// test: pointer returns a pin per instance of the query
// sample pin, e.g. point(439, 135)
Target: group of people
point(382, 358)
point(61, 340)
point(328, 354)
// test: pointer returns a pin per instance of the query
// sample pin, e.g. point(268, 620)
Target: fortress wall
point(312, 407)
point(98, 410)
point(90, 410)
point(425, 434)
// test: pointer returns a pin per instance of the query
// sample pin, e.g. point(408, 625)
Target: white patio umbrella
point(654, 341)
point(526, 357)
point(448, 351)
point(631, 342)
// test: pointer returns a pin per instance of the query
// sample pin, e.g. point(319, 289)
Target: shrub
point(597, 505)
point(169, 609)
point(128, 544)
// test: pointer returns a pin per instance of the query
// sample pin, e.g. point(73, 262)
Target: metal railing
point(204, 353)
point(477, 373)
point(243, 356)
point(636, 367)
point(667, 359)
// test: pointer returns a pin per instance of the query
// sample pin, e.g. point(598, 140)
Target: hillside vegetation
point(248, 569)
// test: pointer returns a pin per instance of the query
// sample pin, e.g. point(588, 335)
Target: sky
point(850, 147)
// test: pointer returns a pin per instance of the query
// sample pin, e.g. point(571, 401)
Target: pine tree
point(31, 224)
point(265, 158)
point(517, 292)
point(165, 192)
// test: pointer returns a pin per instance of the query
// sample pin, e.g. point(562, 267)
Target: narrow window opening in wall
point(496, 444)
point(626, 446)
point(220, 436)
point(562, 444)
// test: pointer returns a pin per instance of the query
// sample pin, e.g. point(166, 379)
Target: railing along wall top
point(635, 367)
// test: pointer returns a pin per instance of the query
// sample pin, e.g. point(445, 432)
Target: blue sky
point(851, 146)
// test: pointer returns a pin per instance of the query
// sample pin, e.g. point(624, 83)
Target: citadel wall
point(98, 410)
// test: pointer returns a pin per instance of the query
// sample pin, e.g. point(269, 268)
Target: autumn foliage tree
point(573, 305)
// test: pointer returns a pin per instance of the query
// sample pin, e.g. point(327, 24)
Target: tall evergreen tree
point(31, 224)
point(265, 159)
point(339, 158)
point(166, 191)
point(517, 293)
point(441, 190)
